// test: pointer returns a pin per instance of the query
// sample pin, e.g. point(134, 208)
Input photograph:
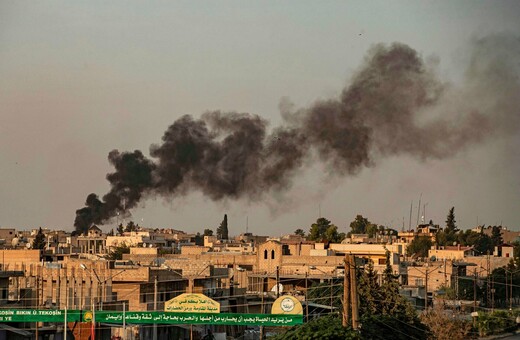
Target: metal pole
point(346, 292)
point(426, 289)
point(124, 320)
point(353, 292)
point(277, 282)
point(306, 295)
point(66, 306)
point(155, 307)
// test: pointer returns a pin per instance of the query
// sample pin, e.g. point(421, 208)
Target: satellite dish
point(15, 241)
point(28, 245)
point(280, 288)
point(144, 245)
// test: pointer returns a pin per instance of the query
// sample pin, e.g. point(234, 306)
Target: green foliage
point(199, 240)
point(323, 230)
point(117, 252)
point(222, 230)
point(495, 323)
point(39, 240)
point(359, 225)
point(324, 328)
point(382, 308)
point(131, 226)
point(419, 246)
point(299, 232)
point(451, 226)
point(120, 229)
point(208, 232)
point(496, 235)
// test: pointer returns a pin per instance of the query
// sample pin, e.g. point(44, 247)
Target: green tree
point(496, 235)
point(208, 232)
point(117, 252)
point(222, 230)
point(325, 328)
point(199, 240)
point(323, 231)
point(448, 236)
point(299, 232)
point(120, 229)
point(39, 240)
point(359, 225)
point(131, 226)
point(419, 246)
point(451, 227)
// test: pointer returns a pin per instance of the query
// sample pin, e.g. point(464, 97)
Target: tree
point(496, 235)
point(208, 232)
point(117, 252)
point(131, 226)
point(323, 230)
point(199, 240)
point(383, 310)
point(111, 232)
point(359, 225)
point(222, 230)
point(120, 229)
point(326, 328)
point(39, 240)
point(419, 246)
point(448, 236)
point(451, 227)
point(300, 232)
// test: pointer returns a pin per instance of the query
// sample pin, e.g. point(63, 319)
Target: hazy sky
point(81, 78)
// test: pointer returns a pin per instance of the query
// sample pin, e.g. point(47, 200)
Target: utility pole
point(277, 282)
point(306, 295)
point(124, 320)
point(155, 307)
point(346, 292)
point(353, 292)
point(426, 289)
point(475, 290)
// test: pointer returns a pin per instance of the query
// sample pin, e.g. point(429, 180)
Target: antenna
point(410, 223)
point(419, 209)
point(319, 210)
point(247, 224)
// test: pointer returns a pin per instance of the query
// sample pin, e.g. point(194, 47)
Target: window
point(382, 261)
point(272, 254)
point(265, 254)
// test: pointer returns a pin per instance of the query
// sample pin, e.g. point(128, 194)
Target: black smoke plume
point(394, 105)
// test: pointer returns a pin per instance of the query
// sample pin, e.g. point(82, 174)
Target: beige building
point(450, 252)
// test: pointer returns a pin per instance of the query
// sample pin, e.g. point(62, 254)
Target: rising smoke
point(394, 105)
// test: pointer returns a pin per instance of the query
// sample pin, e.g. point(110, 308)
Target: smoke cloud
point(394, 105)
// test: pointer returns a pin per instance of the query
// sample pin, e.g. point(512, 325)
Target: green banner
point(56, 315)
point(199, 318)
point(38, 315)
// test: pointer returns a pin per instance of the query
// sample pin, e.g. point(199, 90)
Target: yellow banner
point(192, 303)
point(287, 304)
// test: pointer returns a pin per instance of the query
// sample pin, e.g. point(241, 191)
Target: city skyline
point(81, 80)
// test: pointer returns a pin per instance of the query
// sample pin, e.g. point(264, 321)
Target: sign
point(38, 315)
point(199, 318)
point(192, 303)
point(287, 304)
point(112, 317)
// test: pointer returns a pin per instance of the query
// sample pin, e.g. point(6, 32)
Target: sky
point(79, 79)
